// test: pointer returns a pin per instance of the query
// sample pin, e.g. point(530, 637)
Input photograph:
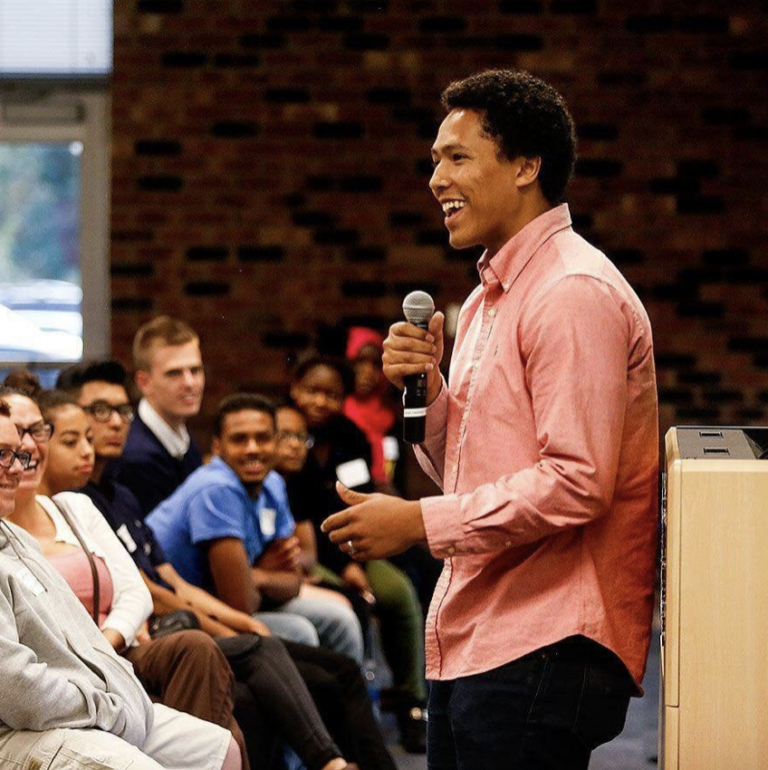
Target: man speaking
point(545, 445)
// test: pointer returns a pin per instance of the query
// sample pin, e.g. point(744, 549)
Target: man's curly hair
point(525, 117)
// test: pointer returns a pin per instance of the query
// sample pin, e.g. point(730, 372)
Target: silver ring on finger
point(350, 547)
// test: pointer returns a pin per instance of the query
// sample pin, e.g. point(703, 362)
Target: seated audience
point(225, 529)
point(160, 453)
point(186, 670)
point(341, 452)
point(276, 690)
point(68, 699)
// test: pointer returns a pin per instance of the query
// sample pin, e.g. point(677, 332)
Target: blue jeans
point(308, 620)
point(545, 711)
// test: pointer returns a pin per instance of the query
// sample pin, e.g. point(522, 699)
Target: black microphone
point(418, 308)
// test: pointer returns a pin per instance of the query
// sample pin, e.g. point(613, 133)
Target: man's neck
point(172, 421)
point(532, 209)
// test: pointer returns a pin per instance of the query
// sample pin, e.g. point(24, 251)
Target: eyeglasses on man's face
point(8, 457)
point(102, 411)
point(40, 431)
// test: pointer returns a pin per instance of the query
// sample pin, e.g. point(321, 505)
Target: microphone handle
point(415, 406)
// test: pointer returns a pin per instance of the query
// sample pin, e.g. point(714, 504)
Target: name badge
point(391, 448)
point(123, 533)
point(267, 518)
point(354, 473)
point(30, 581)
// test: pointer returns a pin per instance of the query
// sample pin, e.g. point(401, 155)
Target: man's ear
point(528, 171)
point(141, 378)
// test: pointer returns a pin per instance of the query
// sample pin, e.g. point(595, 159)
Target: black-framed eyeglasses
point(40, 431)
point(303, 438)
point(8, 457)
point(102, 411)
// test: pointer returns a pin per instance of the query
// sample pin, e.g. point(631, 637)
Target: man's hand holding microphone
point(376, 526)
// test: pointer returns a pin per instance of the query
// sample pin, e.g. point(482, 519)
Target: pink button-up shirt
point(546, 448)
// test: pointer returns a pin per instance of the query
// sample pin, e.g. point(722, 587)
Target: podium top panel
point(701, 442)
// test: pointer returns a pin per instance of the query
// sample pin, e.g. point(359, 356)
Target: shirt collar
point(176, 443)
point(507, 264)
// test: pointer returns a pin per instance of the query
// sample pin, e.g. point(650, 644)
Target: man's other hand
point(375, 526)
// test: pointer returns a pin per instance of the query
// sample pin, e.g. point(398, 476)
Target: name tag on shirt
point(391, 448)
point(30, 581)
point(353, 473)
point(123, 533)
point(267, 519)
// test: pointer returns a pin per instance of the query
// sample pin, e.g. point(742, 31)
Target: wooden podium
point(714, 641)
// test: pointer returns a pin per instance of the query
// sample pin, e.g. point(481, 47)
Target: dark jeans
point(545, 711)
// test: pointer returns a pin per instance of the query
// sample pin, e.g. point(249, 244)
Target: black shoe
point(413, 729)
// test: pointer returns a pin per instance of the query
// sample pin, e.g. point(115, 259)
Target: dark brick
point(626, 256)
point(521, 7)
point(369, 320)
point(366, 41)
point(598, 132)
point(336, 237)
point(319, 183)
point(236, 60)
point(699, 275)
point(132, 304)
point(675, 186)
point(370, 289)
point(700, 204)
point(206, 289)
point(315, 6)
point(643, 25)
point(668, 360)
point(405, 219)
point(722, 396)
point(698, 168)
point(260, 253)
point(338, 130)
point(749, 60)
point(160, 6)
point(705, 24)
point(290, 24)
point(403, 288)
point(617, 78)
point(207, 253)
point(388, 96)
point(367, 6)
point(235, 129)
point(701, 309)
point(763, 396)
point(340, 23)
point(726, 257)
point(581, 221)
point(698, 415)
point(725, 116)
point(674, 291)
point(132, 270)
point(313, 219)
point(263, 41)
point(288, 340)
point(749, 276)
point(424, 167)
point(160, 183)
point(761, 362)
point(749, 345)
point(294, 200)
point(287, 95)
point(432, 238)
point(598, 168)
point(466, 42)
point(413, 114)
point(675, 396)
point(574, 7)
point(367, 254)
point(184, 59)
point(750, 415)
point(442, 25)
point(157, 147)
point(699, 378)
point(360, 184)
point(752, 134)
point(520, 42)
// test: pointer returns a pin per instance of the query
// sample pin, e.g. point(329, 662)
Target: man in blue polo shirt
point(228, 528)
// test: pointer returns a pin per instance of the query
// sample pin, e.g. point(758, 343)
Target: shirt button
point(491, 312)
point(451, 550)
point(476, 365)
point(455, 467)
point(505, 286)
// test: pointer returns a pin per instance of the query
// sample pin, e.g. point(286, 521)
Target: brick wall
point(270, 162)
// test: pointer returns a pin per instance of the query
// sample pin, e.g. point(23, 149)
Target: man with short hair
point(545, 444)
point(160, 453)
point(68, 699)
point(228, 528)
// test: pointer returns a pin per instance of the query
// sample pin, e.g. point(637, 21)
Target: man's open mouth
point(451, 208)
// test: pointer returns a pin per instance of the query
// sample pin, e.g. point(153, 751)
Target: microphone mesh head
point(418, 307)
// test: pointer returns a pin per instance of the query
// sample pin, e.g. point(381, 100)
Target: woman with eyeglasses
point(188, 673)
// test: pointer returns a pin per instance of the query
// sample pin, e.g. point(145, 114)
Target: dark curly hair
point(525, 117)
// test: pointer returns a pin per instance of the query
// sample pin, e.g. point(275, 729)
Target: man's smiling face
point(475, 184)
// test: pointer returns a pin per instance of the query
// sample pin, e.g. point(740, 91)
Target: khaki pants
point(176, 742)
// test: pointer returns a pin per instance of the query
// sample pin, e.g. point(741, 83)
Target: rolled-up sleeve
point(575, 343)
